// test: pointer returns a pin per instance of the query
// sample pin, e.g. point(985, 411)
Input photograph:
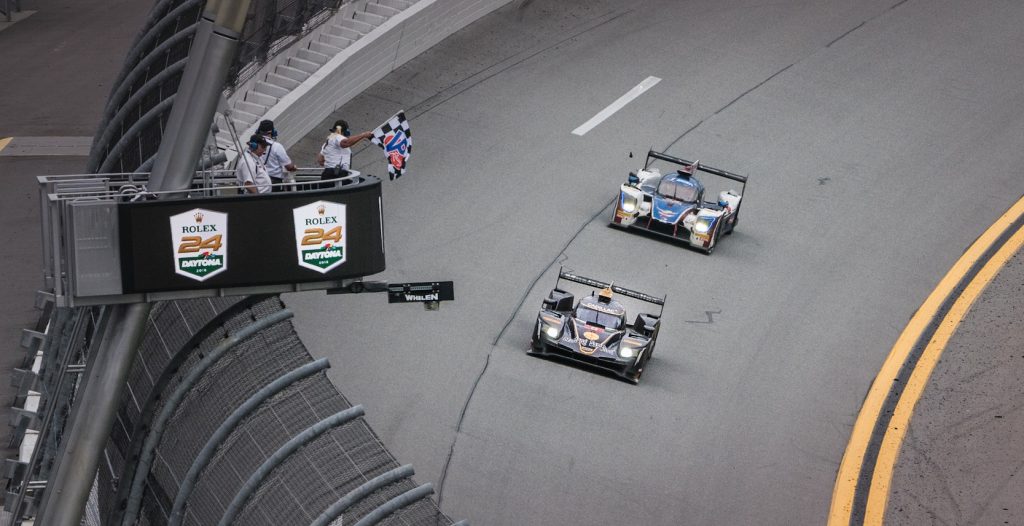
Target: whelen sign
point(120, 252)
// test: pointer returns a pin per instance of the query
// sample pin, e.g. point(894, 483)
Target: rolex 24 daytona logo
point(320, 235)
point(199, 239)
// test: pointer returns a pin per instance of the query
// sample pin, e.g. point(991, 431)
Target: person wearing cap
point(336, 154)
point(279, 165)
point(250, 171)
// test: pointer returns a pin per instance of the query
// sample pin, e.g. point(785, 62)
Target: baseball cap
point(266, 126)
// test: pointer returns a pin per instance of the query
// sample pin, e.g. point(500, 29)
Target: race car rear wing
point(569, 276)
point(651, 154)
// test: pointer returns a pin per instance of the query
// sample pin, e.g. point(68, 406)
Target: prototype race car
point(594, 331)
point(673, 204)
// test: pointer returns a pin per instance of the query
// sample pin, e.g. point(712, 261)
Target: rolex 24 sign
point(320, 235)
point(200, 241)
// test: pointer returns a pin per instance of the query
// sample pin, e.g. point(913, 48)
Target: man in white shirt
point(250, 172)
point(279, 165)
point(335, 155)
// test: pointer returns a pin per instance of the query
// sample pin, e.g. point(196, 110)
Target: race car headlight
point(627, 352)
point(550, 325)
point(703, 225)
point(629, 201)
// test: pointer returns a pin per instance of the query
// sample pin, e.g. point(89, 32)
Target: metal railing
point(64, 351)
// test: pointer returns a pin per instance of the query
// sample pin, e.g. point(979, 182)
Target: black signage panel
point(429, 291)
point(252, 240)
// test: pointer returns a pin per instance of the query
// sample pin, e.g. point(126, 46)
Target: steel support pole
point(93, 418)
point(172, 144)
point(188, 124)
point(89, 429)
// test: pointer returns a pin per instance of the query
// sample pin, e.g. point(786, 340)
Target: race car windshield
point(677, 191)
point(594, 317)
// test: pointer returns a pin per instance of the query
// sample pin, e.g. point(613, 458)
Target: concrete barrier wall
point(369, 59)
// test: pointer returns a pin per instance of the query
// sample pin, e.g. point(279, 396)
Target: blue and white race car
point(673, 205)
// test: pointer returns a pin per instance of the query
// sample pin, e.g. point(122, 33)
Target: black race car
point(595, 331)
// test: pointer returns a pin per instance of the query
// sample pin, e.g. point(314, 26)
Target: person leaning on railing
point(335, 155)
point(250, 172)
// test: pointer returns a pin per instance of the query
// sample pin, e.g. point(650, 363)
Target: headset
point(265, 124)
point(253, 145)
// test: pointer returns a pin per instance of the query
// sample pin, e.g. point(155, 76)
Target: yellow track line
point(4, 142)
point(890, 447)
point(853, 459)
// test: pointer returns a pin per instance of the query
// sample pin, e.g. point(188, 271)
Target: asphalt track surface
point(888, 142)
point(881, 138)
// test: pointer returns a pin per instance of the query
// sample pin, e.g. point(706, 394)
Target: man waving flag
point(395, 137)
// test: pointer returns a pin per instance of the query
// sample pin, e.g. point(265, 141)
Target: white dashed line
point(647, 84)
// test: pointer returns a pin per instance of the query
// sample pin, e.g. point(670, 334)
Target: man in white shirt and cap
point(250, 171)
point(335, 155)
point(279, 165)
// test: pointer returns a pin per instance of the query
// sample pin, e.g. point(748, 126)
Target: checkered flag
point(395, 137)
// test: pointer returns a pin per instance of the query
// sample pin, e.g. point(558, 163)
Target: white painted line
point(45, 146)
point(638, 90)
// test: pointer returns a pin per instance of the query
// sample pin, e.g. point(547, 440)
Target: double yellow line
point(852, 467)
